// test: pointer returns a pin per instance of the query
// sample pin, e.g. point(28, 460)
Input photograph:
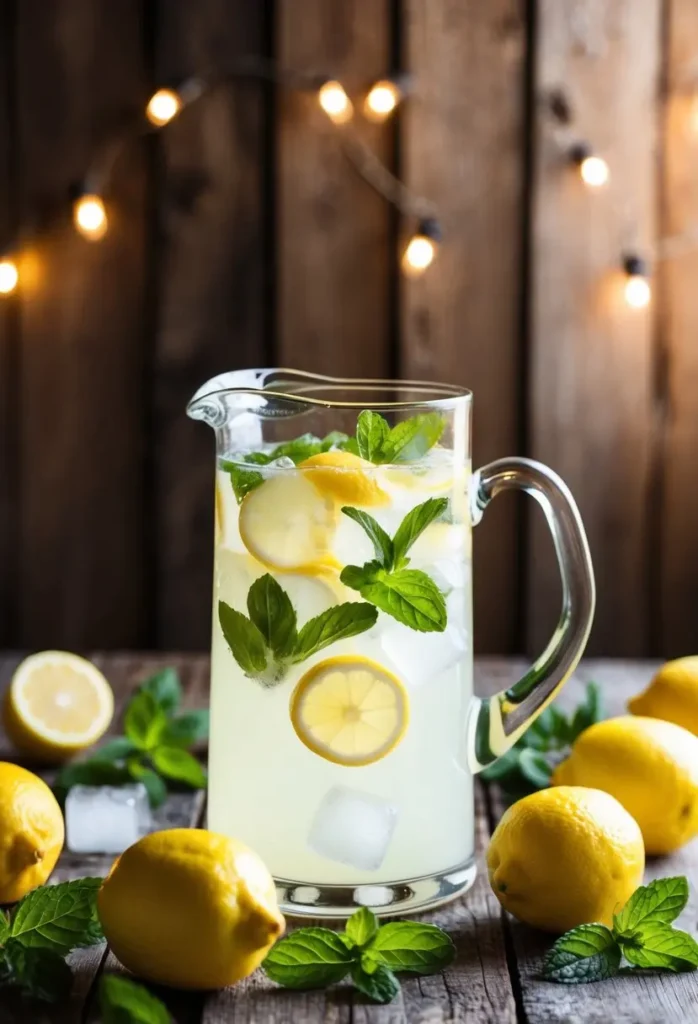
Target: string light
point(9, 276)
point(335, 102)
point(382, 99)
point(163, 106)
point(593, 169)
point(638, 290)
point(421, 248)
point(90, 216)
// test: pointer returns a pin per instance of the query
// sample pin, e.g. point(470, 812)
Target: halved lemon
point(344, 477)
point(57, 705)
point(287, 525)
point(350, 710)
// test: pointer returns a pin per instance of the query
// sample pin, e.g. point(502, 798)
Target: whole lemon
point(31, 832)
point(189, 908)
point(565, 856)
point(672, 694)
point(649, 765)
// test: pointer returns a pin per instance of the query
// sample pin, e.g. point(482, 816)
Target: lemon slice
point(287, 525)
point(57, 704)
point(350, 710)
point(344, 477)
point(310, 595)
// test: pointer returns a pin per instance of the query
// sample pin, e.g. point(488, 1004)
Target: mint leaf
point(410, 596)
point(166, 688)
point(245, 641)
point(350, 445)
point(308, 958)
point(372, 431)
point(186, 729)
point(337, 623)
point(144, 720)
point(412, 439)
point(117, 749)
point(4, 927)
point(358, 576)
point(56, 917)
point(40, 973)
point(362, 926)
point(123, 1001)
point(175, 763)
point(382, 543)
point(271, 611)
point(409, 946)
point(588, 713)
point(243, 480)
point(380, 985)
point(587, 953)
point(414, 524)
point(657, 945)
point(154, 786)
point(302, 448)
point(661, 901)
point(93, 772)
point(534, 768)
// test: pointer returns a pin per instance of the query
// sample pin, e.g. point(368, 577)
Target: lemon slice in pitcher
point(350, 710)
point(344, 477)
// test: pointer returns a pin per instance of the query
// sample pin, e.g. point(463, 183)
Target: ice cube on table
point(353, 828)
point(106, 819)
point(418, 657)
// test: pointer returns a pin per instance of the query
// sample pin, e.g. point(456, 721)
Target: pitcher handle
point(496, 723)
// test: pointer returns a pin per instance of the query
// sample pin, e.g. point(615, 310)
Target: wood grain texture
point(678, 541)
point(463, 148)
point(210, 299)
point(332, 228)
point(591, 373)
point(79, 73)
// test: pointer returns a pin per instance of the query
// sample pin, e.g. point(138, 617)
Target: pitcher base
point(413, 895)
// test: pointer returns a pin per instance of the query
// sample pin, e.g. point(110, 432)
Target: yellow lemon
point(350, 710)
point(564, 857)
point(287, 525)
point(57, 705)
point(31, 832)
point(650, 766)
point(344, 477)
point(189, 908)
point(672, 694)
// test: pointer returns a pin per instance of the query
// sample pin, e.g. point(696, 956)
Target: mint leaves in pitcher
point(408, 441)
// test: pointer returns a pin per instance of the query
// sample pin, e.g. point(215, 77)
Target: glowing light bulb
point(638, 290)
point(382, 100)
point(90, 217)
point(419, 254)
point(335, 102)
point(9, 276)
point(163, 106)
point(594, 171)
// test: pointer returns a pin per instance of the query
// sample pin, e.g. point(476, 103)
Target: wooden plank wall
point(240, 236)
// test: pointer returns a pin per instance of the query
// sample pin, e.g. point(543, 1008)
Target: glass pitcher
point(344, 730)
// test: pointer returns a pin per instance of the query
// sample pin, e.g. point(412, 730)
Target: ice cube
point(283, 462)
point(353, 828)
point(418, 657)
point(106, 819)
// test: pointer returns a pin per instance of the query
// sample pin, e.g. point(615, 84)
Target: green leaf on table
point(187, 729)
point(382, 543)
point(271, 611)
point(337, 623)
point(361, 927)
point(659, 946)
point(41, 973)
point(144, 720)
point(117, 749)
point(380, 985)
point(587, 953)
point(4, 927)
point(588, 713)
point(413, 526)
point(410, 596)
point(372, 430)
point(166, 688)
point(122, 1001)
point(661, 901)
point(409, 946)
point(154, 785)
point(534, 768)
point(56, 917)
point(411, 439)
point(179, 765)
point(93, 772)
point(244, 640)
point(308, 958)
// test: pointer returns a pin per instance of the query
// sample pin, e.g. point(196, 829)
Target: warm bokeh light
point(162, 107)
point(90, 217)
point(335, 102)
point(419, 254)
point(594, 171)
point(9, 276)
point(382, 100)
point(638, 291)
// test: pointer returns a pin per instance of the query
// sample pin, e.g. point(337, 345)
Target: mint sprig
point(408, 595)
point(318, 957)
point(266, 644)
point(408, 441)
point(642, 933)
point(122, 1001)
point(244, 478)
point(153, 750)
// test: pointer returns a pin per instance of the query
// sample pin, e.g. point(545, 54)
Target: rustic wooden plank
point(82, 353)
point(333, 229)
point(591, 359)
point(210, 311)
point(463, 148)
point(678, 550)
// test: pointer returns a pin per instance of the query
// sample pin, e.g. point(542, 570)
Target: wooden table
point(495, 975)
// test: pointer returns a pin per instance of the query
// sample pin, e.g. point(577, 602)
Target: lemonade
point(337, 749)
